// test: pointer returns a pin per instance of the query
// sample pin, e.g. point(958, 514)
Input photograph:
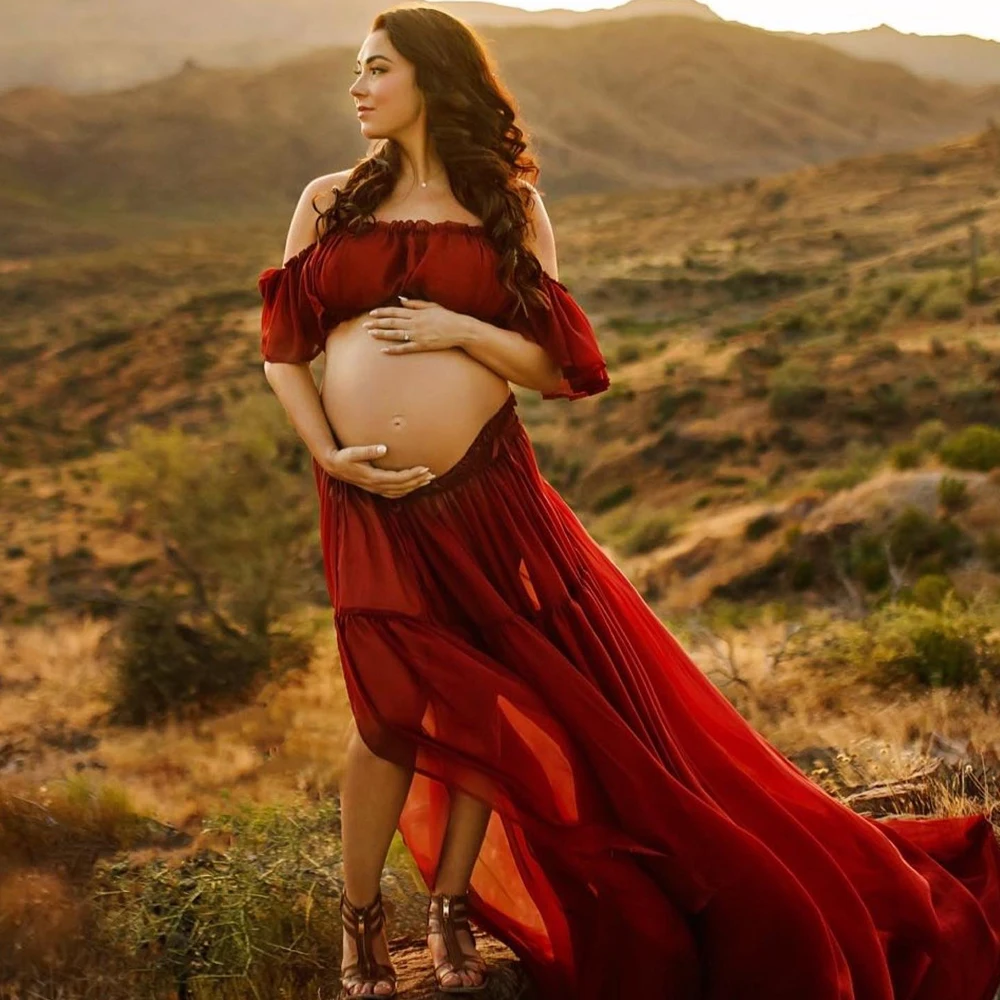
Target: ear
point(541, 239)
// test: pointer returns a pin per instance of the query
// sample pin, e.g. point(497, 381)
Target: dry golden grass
point(287, 744)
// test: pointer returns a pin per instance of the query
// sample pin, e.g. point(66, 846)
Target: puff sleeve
point(568, 336)
point(291, 329)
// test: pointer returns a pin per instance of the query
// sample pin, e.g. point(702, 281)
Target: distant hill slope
point(644, 103)
point(82, 48)
point(77, 47)
point(959, 58)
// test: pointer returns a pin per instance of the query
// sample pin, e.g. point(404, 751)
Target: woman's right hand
point(353, 465)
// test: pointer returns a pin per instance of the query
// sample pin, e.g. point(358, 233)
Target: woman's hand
point(353, 465)
point(417, 325)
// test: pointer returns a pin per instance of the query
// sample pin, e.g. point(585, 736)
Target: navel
point(398, 421)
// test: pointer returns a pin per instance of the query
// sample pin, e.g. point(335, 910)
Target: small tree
point(236, 518)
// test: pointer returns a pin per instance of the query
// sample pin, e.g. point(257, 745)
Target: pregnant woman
point(556, 763)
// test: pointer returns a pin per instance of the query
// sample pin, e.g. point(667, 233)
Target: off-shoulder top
point(451, 263)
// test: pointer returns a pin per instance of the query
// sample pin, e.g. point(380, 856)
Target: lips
point(362, 108)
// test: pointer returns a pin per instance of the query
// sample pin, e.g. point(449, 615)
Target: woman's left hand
point(416, 325)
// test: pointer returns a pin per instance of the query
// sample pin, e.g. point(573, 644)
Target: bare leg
point(372, 794)
point(467, 822)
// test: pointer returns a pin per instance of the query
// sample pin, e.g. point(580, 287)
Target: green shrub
point(627, 353)
point(953, 493)
point(975, 447)
point(669, 401)
point(906, 456)
point(166, 666)
point(945, 302)
point(795, 392)
point(911, 645)
point(648, 534)
point(762, 525)
point(864, 315)
point(613, 498)
point(930, 434)
point(931, 589)
point(926, 544)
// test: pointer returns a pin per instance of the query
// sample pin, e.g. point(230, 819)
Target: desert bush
point(930, 590)
point(906, 456)
point(669, 401)
point(795, 392)
point(612, 498)
point(906, 644)
point(953, 493)
point(880, 404)
point(929, 435)
point(236, 521)
point(257, 918)
point(798, 322)
point(944, 302)
point(165, 665)
point(860, 463)
point(974, 447)
point(974, 402)
point(648, 534)
point(926, 544)
point(918, 292)
point(917, 544)
point(762, 525)
point(627, 353)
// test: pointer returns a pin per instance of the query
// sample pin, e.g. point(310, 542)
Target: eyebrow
point(376, 56)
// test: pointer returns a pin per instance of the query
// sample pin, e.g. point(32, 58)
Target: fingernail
point(381, 449)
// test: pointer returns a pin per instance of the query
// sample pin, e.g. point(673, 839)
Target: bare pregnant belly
point(426, 407)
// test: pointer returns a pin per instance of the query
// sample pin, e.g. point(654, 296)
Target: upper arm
point(541, 238)
point(302, 229)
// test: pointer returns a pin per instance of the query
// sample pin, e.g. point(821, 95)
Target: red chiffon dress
point(644, 841)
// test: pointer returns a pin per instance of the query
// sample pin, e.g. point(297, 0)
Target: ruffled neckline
point(423, 225)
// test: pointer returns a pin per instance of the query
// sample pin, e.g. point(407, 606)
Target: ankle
point(450, 888)
point(362, 900)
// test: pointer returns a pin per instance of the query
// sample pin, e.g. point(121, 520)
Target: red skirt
point(645, 841)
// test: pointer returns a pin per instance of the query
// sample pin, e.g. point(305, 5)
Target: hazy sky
point(927, 17)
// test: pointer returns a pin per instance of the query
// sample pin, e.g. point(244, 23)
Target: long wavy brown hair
point(472, 120)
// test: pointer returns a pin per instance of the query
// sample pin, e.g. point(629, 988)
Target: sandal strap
point(363, 923)
point(446, 914)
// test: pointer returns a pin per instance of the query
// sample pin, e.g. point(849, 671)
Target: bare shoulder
point(541, 239)
point(317, 195)
point(322, 188)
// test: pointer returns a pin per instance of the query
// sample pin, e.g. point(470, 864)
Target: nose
point(356, 90)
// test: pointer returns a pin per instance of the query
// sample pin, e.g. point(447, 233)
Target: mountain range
point(630, 104)
point(83, 47)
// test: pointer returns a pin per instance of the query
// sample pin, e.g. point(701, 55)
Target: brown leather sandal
point(363, 923)
point(445, 915)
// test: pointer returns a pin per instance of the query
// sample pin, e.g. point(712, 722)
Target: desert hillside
point(848, 282)
point(797, 465)
point(675, 101)
point(81, 48)
point(67, 45)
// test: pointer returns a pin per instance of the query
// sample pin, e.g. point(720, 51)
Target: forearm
point(296, 391)
point(510, 355)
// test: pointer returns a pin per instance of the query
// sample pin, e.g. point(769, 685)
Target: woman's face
point(386, 84)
